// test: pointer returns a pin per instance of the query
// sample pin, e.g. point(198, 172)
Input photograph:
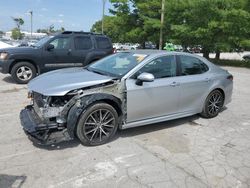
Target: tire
point(213, 104)
point(93, 131)
point(23, 72)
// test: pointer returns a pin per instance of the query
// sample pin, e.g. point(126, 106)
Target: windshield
point(42, 41)
point(117, 65)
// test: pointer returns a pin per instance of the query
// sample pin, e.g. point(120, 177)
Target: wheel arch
point(24, 60)
point(87, 101)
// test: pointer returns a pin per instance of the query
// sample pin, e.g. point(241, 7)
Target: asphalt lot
point(190, 152)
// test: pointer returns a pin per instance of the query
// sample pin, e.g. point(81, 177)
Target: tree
point(18, 21)
point(42, 31)
point(16, 34)
point(110, 29)
point(217, 25)
point(50, 29)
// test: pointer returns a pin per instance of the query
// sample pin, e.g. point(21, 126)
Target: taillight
point(230, 77)
point(114, 50)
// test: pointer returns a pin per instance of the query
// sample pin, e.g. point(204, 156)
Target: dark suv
point(67, 49)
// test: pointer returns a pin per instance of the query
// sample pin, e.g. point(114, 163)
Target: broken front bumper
point(39, 132)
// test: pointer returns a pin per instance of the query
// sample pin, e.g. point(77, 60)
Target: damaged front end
point(42, 120)
point(52, 119)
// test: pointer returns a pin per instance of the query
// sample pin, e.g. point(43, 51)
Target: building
point(27, 35)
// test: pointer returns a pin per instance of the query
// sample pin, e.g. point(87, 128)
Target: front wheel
point(213, 104)
point(97, 125)
point(23, 72)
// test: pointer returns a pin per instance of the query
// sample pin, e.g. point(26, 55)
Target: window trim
point(102, 37)
point(179, 65)
point(92, 45)
point(132, 76)
point(55, 38)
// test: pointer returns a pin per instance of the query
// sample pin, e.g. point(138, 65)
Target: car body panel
point(60, 82)
point(151, 102)
point(152, 99)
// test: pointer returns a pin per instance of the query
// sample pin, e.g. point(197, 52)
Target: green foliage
point(18, 21)
point(42, 31)
point(50, 29)
point(216, 25)
point(16, 34)
point(232, 63)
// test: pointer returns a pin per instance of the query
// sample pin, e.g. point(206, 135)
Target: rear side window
point(103, 43)
point(191, 65)
point(83, 43)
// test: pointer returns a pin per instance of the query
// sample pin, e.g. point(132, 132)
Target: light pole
point(103, 11)
point(162, 22)
point(31, 23)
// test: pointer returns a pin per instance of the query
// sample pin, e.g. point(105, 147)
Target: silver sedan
point(123, 90)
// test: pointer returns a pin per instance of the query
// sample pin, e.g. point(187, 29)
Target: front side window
point(83, 43)
point(161, 67)
point(61, 43)
point(191, 65)
point(42, 41)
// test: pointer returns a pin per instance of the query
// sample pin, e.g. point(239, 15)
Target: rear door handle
point(174, 84)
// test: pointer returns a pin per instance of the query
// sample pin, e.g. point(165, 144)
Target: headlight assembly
point(3, 55)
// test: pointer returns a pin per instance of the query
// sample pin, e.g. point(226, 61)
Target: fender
point(81, 106)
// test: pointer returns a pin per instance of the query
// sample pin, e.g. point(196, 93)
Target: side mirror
point(144, 77)
point(50, 47)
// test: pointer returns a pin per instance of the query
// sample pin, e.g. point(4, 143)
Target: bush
point(232, 63)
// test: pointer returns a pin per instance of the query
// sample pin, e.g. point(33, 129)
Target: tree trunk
point(206, 53)
point(217, 56)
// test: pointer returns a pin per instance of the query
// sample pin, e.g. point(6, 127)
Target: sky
point(73, 15)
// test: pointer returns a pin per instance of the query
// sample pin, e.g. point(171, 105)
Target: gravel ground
point(190, 152)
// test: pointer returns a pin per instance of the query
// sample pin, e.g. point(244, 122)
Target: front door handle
point(207, 80)
point(174, 84)
point(69, 51)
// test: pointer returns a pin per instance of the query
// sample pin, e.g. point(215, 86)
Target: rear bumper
point(228, 93)
point(40, 133)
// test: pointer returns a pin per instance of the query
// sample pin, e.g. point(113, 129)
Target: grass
point(232, 63)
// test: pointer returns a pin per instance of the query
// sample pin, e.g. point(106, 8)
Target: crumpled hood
point(62, 81)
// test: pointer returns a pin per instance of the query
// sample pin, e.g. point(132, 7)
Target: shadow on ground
point(128, 132)
point(9, 79)
point(9, 181)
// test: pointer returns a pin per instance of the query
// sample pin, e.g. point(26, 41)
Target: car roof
point(81, 33)
point(159, 52)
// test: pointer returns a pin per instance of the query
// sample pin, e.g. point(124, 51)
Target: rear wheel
point(23, 72)
point(213, 104)
point(97, 125)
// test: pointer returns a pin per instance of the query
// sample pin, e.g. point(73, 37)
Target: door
point(194, 82)
point(82, 53)
point(60, 56)
point(157, 98)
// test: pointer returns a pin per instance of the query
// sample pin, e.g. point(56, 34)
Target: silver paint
point(160, 100)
